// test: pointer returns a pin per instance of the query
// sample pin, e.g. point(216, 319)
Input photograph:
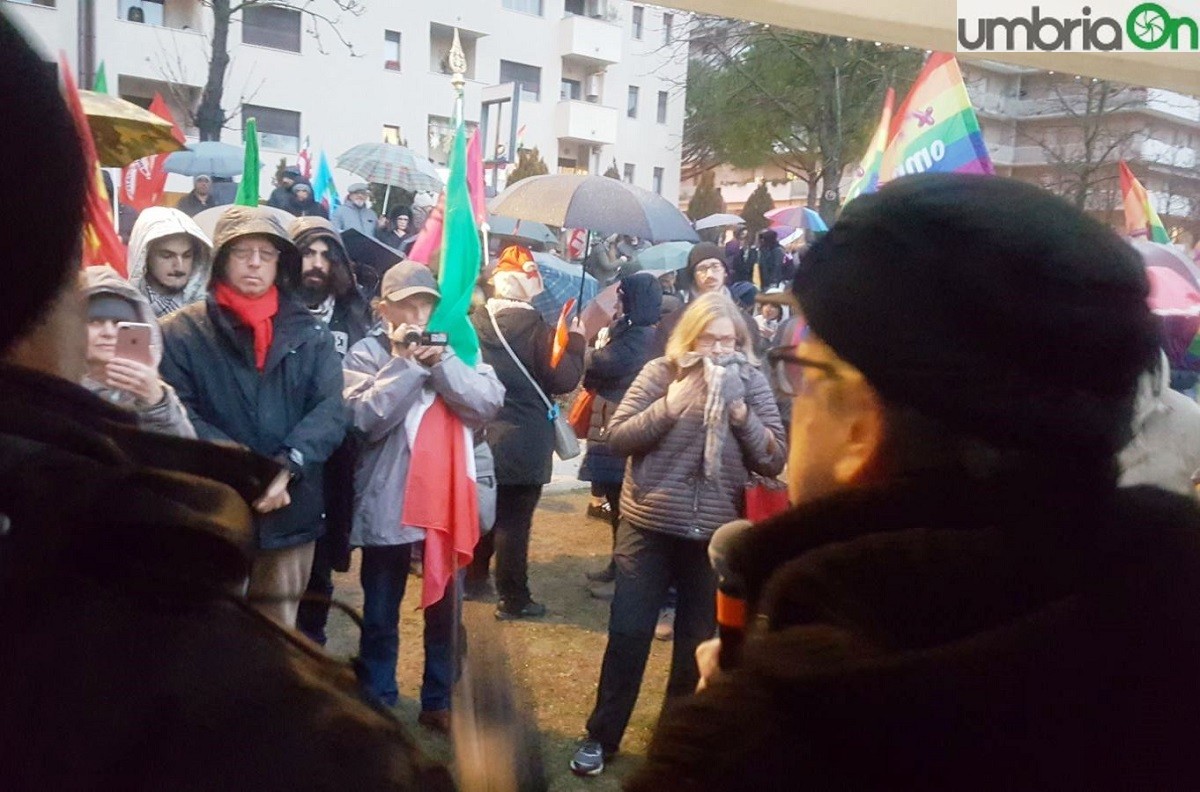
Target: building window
point(629, 172)
point(391, 50)
point(576, 7)
point(440, 136)
point(658, 180)
point(525, 6)
point(441, 39)
point(570, 89)
point(662, 107)
point(631, 109)
point(278, 130)
point(391, 134)
point(528, 77)
point(44, 3)
point(271, 26)
point(668, 23)
point(151, 12)
point(639, 15)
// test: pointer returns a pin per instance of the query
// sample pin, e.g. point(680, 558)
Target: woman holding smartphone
point(123, 350)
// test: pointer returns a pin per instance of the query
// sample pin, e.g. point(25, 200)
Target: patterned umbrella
point(124, 132)
point(562, 284)
point(797, 217)
point(597, 203)
point(396, 166)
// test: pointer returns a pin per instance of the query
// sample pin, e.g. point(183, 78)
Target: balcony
point(593, 40)
point(585, 122)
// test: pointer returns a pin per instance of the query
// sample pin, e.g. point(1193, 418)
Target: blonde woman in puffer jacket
point(695, 424)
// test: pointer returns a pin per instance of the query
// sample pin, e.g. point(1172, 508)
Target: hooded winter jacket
point(351, 319)
point(153, 224)
point(612, 369)
point(168, 416)
point(294, 403)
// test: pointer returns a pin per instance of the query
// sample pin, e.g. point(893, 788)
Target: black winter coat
point(294, 403)
point(946, 634)
point(131, 660)
point(612, 369)
point(521, 436)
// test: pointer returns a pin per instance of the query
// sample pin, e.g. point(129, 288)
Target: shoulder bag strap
point(551, 407)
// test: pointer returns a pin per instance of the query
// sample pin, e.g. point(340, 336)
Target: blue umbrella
point(209, 158)
point(563, 281)
point(666, 257)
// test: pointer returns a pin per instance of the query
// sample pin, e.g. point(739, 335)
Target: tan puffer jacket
point(665, 489)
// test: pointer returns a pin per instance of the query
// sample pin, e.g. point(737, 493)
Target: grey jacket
point(665, 488)
point(1165, 449)
point(380, 392)
point(166, 417)
point(350, 216)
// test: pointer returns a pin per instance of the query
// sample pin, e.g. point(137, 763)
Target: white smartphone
point(133, 342)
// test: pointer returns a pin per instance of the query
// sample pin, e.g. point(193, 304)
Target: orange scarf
point(256, 312)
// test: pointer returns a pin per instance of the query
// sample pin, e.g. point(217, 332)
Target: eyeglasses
point(704, 269)
point(787, 370)
point(707, 341)
point(268, 255)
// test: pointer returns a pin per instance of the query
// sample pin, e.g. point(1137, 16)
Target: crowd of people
point(989, 578)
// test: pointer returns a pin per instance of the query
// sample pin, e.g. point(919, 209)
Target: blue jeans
point(384, 576)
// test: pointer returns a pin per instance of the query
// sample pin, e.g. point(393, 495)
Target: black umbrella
point(597, 203)
point(370, 254)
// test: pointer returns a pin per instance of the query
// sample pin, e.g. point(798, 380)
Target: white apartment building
point(598, 82)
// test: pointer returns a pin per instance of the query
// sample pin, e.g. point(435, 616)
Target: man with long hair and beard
point(328, 289)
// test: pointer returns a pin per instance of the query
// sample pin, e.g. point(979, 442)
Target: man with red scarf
point(255, 368)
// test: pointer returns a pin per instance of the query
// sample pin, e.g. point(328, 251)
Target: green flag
point(460, 259)
point(247, 194)
point(101, 84)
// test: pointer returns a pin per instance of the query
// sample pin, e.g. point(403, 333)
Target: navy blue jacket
point(294, 403)
point(612, 369)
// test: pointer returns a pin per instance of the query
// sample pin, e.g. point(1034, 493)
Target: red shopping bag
point(765, 497)
point(580, 416)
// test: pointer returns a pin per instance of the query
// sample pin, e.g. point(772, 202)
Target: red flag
point(101, 245)
point(475, 178)
point(429, 240)
point(143, 181)
point(304, 161)
point(561, 335)
point(576, 244)
point(448, 509)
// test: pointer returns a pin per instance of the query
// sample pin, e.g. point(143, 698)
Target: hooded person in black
point(611, 369)
point(281, 196)
point(328, 289)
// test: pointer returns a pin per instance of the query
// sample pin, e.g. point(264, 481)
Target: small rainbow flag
point(935, 129)
point(1140, 218)
point(866, 177)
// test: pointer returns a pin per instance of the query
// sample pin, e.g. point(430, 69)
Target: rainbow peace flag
point(866, 177)
point(1140, 218)
point(935, 129)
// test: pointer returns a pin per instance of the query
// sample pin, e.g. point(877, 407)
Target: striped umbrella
point(395, 166)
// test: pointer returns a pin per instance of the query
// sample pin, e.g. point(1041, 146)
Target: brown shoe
point(438, 720)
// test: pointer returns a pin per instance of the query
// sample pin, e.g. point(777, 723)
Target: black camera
point(413, 338)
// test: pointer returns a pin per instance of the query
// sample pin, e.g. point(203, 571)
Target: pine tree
point(612, 171)
point(758, 204)
point(706, 200)
point(529, 163)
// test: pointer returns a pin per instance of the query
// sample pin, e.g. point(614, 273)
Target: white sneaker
point(665, 629)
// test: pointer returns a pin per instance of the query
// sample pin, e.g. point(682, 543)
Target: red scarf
point(257, 312)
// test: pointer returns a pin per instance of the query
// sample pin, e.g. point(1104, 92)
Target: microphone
point(731, 591)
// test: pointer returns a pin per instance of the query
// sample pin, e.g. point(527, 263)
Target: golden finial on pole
point(458, 64)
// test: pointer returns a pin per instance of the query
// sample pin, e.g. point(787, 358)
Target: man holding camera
point(392, 378)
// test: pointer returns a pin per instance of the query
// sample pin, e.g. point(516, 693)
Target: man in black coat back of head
point(961, 597)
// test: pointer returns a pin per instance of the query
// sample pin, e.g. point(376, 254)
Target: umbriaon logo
point(1146, 26)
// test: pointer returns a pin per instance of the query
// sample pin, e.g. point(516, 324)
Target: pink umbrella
point(1170, 293)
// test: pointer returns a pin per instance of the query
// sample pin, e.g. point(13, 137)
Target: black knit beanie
point(703, 251)
point(989, 305)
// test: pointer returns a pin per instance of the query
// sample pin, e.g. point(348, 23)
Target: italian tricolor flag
point(440, 495)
